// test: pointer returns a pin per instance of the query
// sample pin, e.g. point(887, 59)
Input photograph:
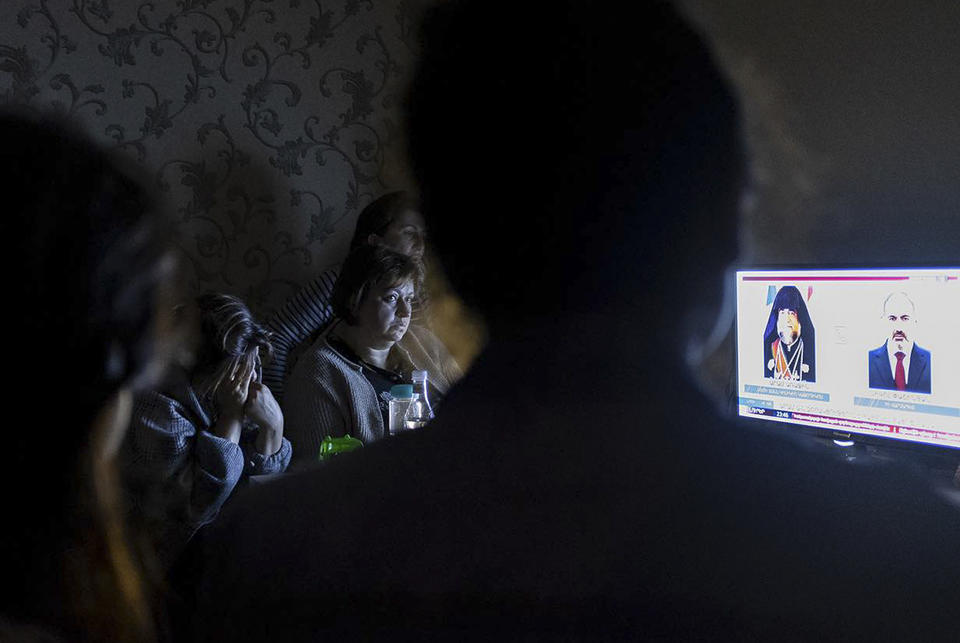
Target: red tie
point(900, 377)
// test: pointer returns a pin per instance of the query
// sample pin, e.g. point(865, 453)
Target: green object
point(331, 446)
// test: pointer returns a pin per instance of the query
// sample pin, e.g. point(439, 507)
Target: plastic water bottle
point(415, 418)
point(420, 388)
point(419, 412)
point(401, 396)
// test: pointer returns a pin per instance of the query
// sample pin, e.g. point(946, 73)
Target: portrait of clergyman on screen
point(899, 364)
point(789, 340)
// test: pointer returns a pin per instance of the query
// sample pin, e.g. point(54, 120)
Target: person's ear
point(374, 239)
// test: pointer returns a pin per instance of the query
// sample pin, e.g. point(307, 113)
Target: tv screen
point(853, 352)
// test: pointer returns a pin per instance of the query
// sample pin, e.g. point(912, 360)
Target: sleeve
point(445, 366)
point(300, 317)
point(451, 370)
point(432, 354)
point(181, 475)
point(256, 464)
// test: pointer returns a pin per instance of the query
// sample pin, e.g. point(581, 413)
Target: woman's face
point(405, 234)
point(385, 313)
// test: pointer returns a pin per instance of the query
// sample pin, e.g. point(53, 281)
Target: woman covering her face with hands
point(194, 440)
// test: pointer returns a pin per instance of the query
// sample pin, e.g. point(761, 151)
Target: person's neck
point(359, 342)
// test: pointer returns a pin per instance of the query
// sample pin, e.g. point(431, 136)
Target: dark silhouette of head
point(574, 157)
point(84, 265)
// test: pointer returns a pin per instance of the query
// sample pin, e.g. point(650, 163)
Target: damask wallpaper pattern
point(267, 124)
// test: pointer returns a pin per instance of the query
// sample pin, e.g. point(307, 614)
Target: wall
point(267, 124)
point(852, 113)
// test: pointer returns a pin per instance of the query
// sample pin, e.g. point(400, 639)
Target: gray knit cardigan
point(328, 393)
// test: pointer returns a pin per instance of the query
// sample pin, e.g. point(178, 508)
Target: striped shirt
point(298, 320)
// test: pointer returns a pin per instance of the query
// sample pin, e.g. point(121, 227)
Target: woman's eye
point(390, 298)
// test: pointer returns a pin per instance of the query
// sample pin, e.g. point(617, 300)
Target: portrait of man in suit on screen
point(900, 364)
point(789, 343)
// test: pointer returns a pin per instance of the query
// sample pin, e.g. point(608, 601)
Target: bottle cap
point(401, 391)
point(418, 376)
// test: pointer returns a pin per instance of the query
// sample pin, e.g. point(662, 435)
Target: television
point(859, 354)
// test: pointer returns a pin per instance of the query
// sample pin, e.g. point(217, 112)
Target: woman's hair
point(85, 265)
point(368, 267)
point(228, 335)
point(377, 217)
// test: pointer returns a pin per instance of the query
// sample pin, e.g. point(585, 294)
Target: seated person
point(194, 440)
point(392, 221)
point(338, 387)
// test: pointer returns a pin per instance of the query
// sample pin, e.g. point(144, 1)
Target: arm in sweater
point(329, 395)
point(313, 409)
point(180, 473)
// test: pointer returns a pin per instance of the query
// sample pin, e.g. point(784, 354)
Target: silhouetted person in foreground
point(83, 266)
point(577, 483)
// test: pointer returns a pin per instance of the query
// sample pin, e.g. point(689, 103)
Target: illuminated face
point(405, 234)
point(788, 326)
point(899, 317)
point(384, 313)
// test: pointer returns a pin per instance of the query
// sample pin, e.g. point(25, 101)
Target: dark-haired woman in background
point(337, 388)
point(84, 265)
point(191, 443)
point(392, 221)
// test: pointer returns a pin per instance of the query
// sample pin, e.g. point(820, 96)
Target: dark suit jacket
point(918, 379)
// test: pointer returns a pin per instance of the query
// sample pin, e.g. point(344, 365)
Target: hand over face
point(233, 390)
point(263, 408)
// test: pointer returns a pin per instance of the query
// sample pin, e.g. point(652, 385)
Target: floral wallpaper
point(266, 124)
